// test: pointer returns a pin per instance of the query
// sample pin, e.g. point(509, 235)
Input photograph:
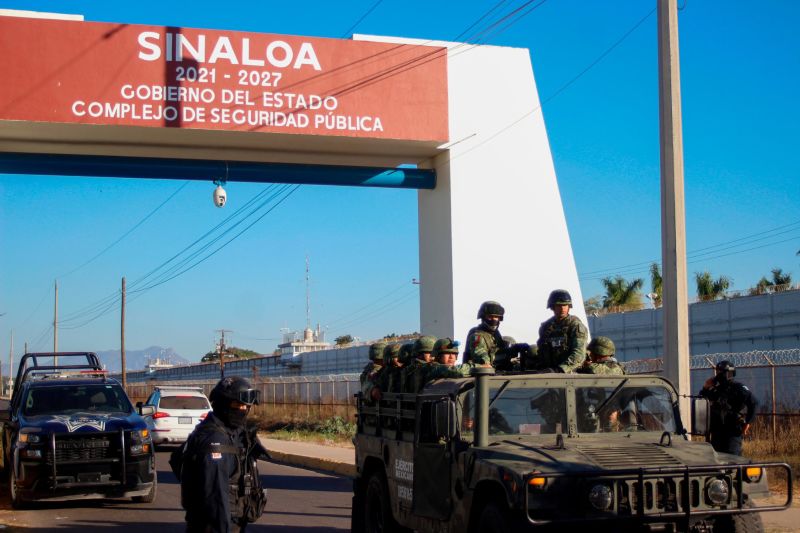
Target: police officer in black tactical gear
point(220, 489)
point(733, 409)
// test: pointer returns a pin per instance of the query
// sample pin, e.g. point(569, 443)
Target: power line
point(365, 15)
point(702, 252)
point(142, 221)
point(139, 292)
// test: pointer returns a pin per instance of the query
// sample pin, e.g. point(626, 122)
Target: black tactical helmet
point(491, 308)
point(559, 297)
point(726, 367)
point(236, 389)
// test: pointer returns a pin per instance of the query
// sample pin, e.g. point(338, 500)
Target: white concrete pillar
point(494, 227)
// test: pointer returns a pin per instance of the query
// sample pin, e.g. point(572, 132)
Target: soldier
point(391, 368)
point(484, 340)
point(445, 353)
point(733, 409)
point(368, 374)
point(562, 338)
point(218, 479)
point(413, 374)
point(601, 358)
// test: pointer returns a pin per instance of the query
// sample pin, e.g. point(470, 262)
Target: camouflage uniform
point(482, 346)
point(439, 370)
point(391, 372)
point(370, 372)
point(602, 361)
point(606, 365)
point(412, 376)
point(562, 344)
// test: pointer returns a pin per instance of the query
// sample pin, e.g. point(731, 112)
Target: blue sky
point(740, 65)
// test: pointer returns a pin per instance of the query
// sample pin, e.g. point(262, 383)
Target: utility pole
point(55, 326)
point(122, 339)
point(675, 301)
point(308, 297)
point(221, 349)
point(11, 365)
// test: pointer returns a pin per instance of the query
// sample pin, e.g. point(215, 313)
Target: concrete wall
point(333, 361)
point(764, 322)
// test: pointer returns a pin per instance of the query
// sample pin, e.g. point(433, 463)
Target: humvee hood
point(578, 454)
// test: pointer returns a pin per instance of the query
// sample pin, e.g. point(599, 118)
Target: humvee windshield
point(624, 408)
point(518, 408)
point(100, 398)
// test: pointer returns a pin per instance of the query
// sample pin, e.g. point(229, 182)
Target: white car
point(178, 411)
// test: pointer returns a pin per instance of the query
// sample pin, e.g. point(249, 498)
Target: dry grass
point(783, 448)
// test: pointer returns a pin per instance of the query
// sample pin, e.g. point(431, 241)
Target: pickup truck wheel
point(496, 519)
point(150, 497)
point(377, 510)
point(17, 501)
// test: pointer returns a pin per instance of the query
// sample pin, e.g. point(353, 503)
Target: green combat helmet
point(407, 353)
point(376, 351)
point(442, 346)
point(424, 344)
point(392, 351)
point(602, 346)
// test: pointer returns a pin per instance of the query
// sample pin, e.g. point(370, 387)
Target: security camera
point(219, 196)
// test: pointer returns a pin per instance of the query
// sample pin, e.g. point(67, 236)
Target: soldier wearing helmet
point(370, 372)
point(601, 358)
point(445, 354)
point(413, 374)
point(218, 470)
point(391, 368)
point(733, 409)
point(562, 338)
point(484, 340)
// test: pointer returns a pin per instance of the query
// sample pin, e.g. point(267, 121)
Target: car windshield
point(515, 410)
point(626, 408)
point(183, 402)
point(100, 398)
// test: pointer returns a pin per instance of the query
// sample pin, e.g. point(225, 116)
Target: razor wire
point(751, 359)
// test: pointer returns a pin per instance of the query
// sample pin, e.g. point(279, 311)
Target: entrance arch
point(460, 123)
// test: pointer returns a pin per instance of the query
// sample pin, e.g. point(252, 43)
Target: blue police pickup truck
point(70, 432)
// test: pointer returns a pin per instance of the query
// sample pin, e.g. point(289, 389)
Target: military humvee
point(497, 453)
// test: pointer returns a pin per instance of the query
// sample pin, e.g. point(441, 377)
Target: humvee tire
point(377, 509)
point(742, 523)
point(496, 518)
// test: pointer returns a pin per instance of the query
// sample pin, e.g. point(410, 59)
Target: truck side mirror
point(147, 410)
point(444, 419)
point(701, 416)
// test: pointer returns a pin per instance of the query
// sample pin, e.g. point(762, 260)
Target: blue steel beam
point(209, 170)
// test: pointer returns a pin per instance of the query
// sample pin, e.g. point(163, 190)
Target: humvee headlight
point(601, 497)
point(717, 491)
point(752, 474)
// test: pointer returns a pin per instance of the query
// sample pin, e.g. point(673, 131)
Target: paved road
point(299, 500)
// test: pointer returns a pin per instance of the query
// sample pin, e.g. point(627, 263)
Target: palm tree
point(622, 295)
point(710, 289)
point(779, 279)
point(762, 287)
point(657, 284)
